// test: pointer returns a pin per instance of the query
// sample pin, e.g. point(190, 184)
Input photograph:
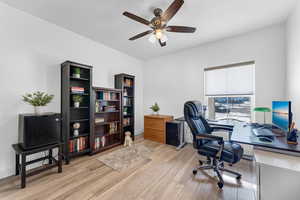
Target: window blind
point(237, 79)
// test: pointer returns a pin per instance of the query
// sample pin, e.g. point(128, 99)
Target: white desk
point(278, 176)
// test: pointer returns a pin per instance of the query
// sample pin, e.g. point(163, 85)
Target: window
point(229, 91)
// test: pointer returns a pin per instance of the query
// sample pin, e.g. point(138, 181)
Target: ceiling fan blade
point(181, 29)
point(162, 44)
point(141, 35)
point(172, 10)
point(137, 18)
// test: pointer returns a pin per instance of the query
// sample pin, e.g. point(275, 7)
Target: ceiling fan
point(159, 23)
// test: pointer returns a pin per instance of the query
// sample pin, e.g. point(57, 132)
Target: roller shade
point(235, 79)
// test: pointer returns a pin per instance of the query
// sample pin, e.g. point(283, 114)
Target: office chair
point(213, 147)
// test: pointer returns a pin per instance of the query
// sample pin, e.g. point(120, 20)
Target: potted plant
point(77, 99)
point(38, 100)
point(155, 108)
point(76, 73)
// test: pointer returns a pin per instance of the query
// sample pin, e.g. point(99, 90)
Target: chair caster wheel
point(220, 185)
point(194, 172)
point(238, 177)
point(200, 162)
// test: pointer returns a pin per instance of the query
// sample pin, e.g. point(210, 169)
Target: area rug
point(126, 157)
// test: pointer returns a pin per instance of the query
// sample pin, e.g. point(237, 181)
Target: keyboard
point(263, 132)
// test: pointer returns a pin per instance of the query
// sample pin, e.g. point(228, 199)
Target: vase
point(76, 104)
point(76, 75)
point(37, 110)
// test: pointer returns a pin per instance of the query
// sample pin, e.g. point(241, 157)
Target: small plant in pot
point(77, 99)
point(38, 100)
point(76, 73)
point(155, 108)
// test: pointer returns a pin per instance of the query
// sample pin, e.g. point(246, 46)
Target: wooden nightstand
point(155, 127)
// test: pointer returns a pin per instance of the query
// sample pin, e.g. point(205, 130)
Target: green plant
point(77, 98)
point(77, 71)
point(38, 98)
point(155, 107)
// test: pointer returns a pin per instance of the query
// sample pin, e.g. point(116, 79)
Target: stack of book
point(99, 120)
point(77, 90)
point(78, 144)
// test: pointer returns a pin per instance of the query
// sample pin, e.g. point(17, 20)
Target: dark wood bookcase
point(106, 119)
point(126, 83)
point(76, 145)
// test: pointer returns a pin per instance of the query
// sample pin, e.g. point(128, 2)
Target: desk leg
point(17, 164)
point(59, 159)
point(50, 156)
point(23, 171)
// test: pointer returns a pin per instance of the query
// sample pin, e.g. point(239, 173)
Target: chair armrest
point(221, 128)
point(210, 137)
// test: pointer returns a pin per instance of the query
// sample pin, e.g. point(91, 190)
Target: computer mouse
point(265, 139)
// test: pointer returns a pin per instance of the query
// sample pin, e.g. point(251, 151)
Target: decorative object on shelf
point(77, 99)
point(99, 120)
point(128, 140)
point(292, 137)
point(264, 110)
point(125, 93)
point(97, 107)
point(103, 141)
point(38, 100)
point(155, 108)
point(158, 25)
point(76, 127)
point(125, 111)
point(76, 73)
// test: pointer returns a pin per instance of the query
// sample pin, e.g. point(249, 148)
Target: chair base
point(218, 167)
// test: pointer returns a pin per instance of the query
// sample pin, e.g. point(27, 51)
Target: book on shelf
point(78, 144)
point(128, 82)
point(108, 96)
point(127, 102)
point(126, 121)
point(109, 108)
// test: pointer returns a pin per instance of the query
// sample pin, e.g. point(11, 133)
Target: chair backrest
point(195, 120)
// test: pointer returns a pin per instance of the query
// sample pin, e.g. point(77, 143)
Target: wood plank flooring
point(167, 176)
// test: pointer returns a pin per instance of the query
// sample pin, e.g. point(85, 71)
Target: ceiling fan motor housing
point(157, 12)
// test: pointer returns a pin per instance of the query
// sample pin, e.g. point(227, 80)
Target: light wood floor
point(167, 176)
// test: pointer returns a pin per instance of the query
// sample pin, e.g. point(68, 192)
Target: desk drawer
point(158, 124)
point(154, 135)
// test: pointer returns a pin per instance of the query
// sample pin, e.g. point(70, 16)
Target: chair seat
point(232, 152)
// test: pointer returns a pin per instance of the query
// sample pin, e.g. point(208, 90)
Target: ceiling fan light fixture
point(164, 38)
point(159, 34)
point(152, 38)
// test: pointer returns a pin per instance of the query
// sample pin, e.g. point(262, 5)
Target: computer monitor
point(282, 115)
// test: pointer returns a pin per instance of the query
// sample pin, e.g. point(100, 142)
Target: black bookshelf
point(76, 145)
point(126, 83)
point(106, 119)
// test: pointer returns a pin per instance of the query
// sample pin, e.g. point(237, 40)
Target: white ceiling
point(103, 21)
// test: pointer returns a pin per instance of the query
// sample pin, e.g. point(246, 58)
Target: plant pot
point(76, 104)
point(76, 133)
point(38, 110)
point(76, 75)
point(155, 113)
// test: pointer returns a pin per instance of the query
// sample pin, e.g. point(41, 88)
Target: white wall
point(31, 51)
point(173, 79)
point(293, 61)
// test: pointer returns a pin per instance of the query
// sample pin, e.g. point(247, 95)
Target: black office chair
point(213, 147)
